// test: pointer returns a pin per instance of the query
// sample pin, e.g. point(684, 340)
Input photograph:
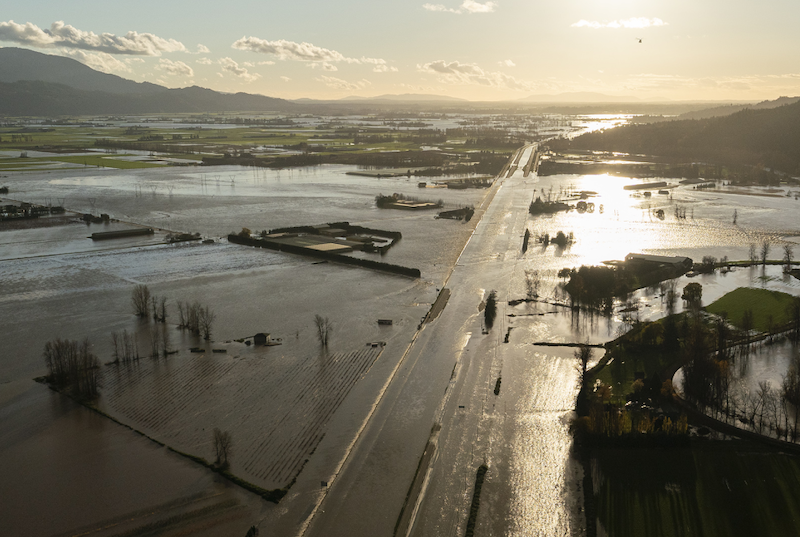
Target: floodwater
point(52, 286)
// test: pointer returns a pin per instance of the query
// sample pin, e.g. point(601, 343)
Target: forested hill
point(769, 138)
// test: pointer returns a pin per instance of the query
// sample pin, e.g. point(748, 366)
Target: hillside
point(35, 84)
point(766, 137)
point(18, 64)
point(727, 110)
point(26, 98)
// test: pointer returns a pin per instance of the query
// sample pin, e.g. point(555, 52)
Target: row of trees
point(760, 254)
point(711, 350)
point(125, 347)
point(72, 366)
point(194, 316)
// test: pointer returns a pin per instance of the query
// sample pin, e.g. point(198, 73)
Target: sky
point(472, 49)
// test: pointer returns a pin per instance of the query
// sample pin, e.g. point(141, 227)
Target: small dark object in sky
point(639, 39)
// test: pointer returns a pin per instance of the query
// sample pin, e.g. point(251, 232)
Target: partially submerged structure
point(647, 261)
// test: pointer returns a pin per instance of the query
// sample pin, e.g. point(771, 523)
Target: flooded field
point(294, 411)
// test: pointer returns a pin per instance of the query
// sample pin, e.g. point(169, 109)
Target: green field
point(714, 488)
point(640, 350)
point(762, 302)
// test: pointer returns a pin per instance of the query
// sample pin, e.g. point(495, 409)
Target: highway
point(440, 419)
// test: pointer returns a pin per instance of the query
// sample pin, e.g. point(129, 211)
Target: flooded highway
point(392, 439)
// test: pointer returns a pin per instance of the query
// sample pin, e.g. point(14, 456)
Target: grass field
point(713, 488)
point(762, 302)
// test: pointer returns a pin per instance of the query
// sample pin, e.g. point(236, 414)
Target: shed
point(261, 338)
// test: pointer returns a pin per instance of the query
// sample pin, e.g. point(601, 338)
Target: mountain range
point(36, 84)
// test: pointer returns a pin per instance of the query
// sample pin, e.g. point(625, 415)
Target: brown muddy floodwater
point(293, 410)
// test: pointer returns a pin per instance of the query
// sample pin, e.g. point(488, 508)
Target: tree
point(324, 329)
point(532, 283)
point(752, 255)
point(223, 446)
point(764, 251)
point(693, 294)
point(788, 256)
point(490, 312)
point(583, 354)
point(141, 300)
point(72, 366)
point(205, 319)
point(747, 324)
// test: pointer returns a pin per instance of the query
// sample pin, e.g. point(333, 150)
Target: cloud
point(383, 68)
point(174, 68)
point(318, 57)
point(99, 61)
point(508, 63)
point(66, 36)
point(202, 49)
point(468, 6)
point(204, 61)
point(633, 22)
point(289, 50)
point(285, 78)
point(340, 84)
point(470, 73)
point(268, 62)
point(325, 66)
point(232, 67)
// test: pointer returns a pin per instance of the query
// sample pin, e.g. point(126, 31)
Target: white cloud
point(470, 73)
point(633, 22)
point(318, 57)
point(467, 6)
point(325, 66)
point(202, 49)
point(285, 78)
point(340, 84)
point(174, 68)
point(204, 61)
point(232, 67)
point(99, 61)
point(383, 68)
point(470, 6)
point(66, 36)
point(508, 63)
point(268, 62)
point(289, 50)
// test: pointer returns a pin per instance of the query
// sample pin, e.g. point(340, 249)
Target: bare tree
point(141, 300)
point(162, 309)
point(72, 366)
point(324, 329)
point(205, 318)
point(764, 251)
point(788, 256)
point(753, 256)
point(747, 324)
point(223, 446)
point(181, 314)
point(532, 283)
